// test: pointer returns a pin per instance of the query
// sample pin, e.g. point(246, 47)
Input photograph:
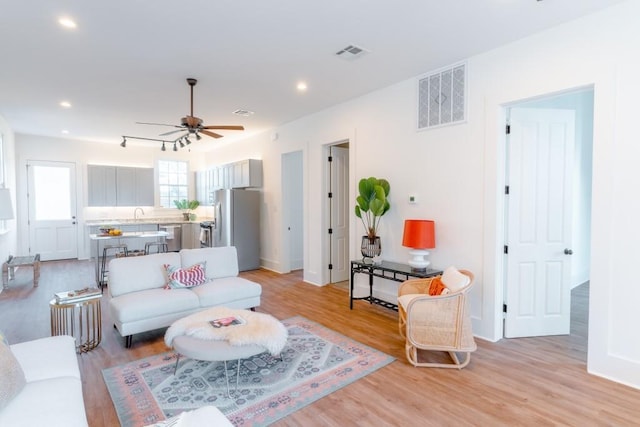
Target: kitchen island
point(105, 238)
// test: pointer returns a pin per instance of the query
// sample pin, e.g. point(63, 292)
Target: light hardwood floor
point(529, 381)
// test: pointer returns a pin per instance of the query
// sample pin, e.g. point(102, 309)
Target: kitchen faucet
point(135, 213)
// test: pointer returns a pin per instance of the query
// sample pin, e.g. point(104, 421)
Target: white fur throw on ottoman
point(259, 329)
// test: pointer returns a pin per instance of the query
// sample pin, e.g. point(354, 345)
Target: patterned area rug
point(315, 362)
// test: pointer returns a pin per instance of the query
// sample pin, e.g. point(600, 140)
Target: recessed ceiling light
point(65, 104)
point(65, 132)
point(302, 87)
point(67, 22)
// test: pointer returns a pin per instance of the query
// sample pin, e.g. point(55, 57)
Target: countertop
point(126, 235)
point(142, 221)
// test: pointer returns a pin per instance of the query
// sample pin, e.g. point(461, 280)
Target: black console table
point(386, 270)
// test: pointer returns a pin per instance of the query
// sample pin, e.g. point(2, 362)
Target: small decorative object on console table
point(419, 234)
point(372, 204)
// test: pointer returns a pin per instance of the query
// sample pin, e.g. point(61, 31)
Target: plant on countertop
point(372, 203)
point(186, 206)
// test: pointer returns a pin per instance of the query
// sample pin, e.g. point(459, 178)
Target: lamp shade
point(6, 210)
point(419, 234)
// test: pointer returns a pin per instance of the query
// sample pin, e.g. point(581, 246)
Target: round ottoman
point(195, 338)
point(214, 351)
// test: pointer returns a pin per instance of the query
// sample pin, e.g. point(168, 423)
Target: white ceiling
point(127, 60)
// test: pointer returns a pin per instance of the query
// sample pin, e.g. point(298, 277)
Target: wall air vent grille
point(351, 52)
point(442, 97)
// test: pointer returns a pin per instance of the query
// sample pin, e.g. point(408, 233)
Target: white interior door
point(52, 210)
point(339, 213)
point(538, 277)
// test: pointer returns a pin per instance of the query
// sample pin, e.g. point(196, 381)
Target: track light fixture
point(181, 140)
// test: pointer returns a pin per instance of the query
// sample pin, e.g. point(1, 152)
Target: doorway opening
point(523, 293)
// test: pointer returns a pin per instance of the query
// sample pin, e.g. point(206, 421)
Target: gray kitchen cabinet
point(101, 185)
point(119, 186)
point(191, 235)
point(202, 195)
point(134, 186)
point(246, 173)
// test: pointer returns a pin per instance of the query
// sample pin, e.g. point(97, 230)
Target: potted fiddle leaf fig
point(372, 204)
point(186, 206)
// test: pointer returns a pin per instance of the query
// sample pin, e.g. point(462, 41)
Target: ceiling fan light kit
point(190, 124)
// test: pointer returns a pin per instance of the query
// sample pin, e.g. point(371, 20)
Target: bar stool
point(110, 251)
point(160, 247)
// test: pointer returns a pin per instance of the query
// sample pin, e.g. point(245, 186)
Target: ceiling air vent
point(244, 113)
point(351, 52)
point(442, 97)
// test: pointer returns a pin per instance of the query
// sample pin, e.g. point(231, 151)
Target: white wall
point(8, 240)
point(457, 172)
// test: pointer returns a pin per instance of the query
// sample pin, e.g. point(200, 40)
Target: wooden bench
point(8, 268)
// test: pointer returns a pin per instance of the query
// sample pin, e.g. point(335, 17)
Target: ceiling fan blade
point(173, 131)
point(224, 127)
point(156, 124)
point(211, 134)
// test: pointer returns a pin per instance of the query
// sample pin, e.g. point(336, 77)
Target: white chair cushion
point(454, 280)
point(404, 300)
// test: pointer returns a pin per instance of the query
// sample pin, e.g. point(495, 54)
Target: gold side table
point(80, 319)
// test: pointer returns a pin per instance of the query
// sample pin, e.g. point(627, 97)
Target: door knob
point(568, 251)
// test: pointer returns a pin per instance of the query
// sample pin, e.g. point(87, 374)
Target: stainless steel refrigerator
point(237, 223)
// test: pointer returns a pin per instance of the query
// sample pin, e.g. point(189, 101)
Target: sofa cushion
point(224, 291)
point(152, 303)
point(12, 379)
point(221, 261)
point(132, 274)
point(55, 402)
point(185, 277)
point(60, 360)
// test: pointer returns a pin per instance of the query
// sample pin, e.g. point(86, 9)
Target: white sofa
point(140, 303)
point(52, 395)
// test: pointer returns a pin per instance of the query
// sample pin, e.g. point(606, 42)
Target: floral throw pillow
point(185, 277)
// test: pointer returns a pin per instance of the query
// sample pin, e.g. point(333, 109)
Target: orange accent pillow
point(436, 287)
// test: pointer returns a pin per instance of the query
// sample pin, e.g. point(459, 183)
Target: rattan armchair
point(435, 323)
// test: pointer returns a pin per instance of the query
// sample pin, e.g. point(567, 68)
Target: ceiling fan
point(192, 124)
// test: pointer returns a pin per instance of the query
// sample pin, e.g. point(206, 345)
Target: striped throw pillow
point(185, 277)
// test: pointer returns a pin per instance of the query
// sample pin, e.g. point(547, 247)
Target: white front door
point(538, 277)
point(52, 210)
point(339, 214)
